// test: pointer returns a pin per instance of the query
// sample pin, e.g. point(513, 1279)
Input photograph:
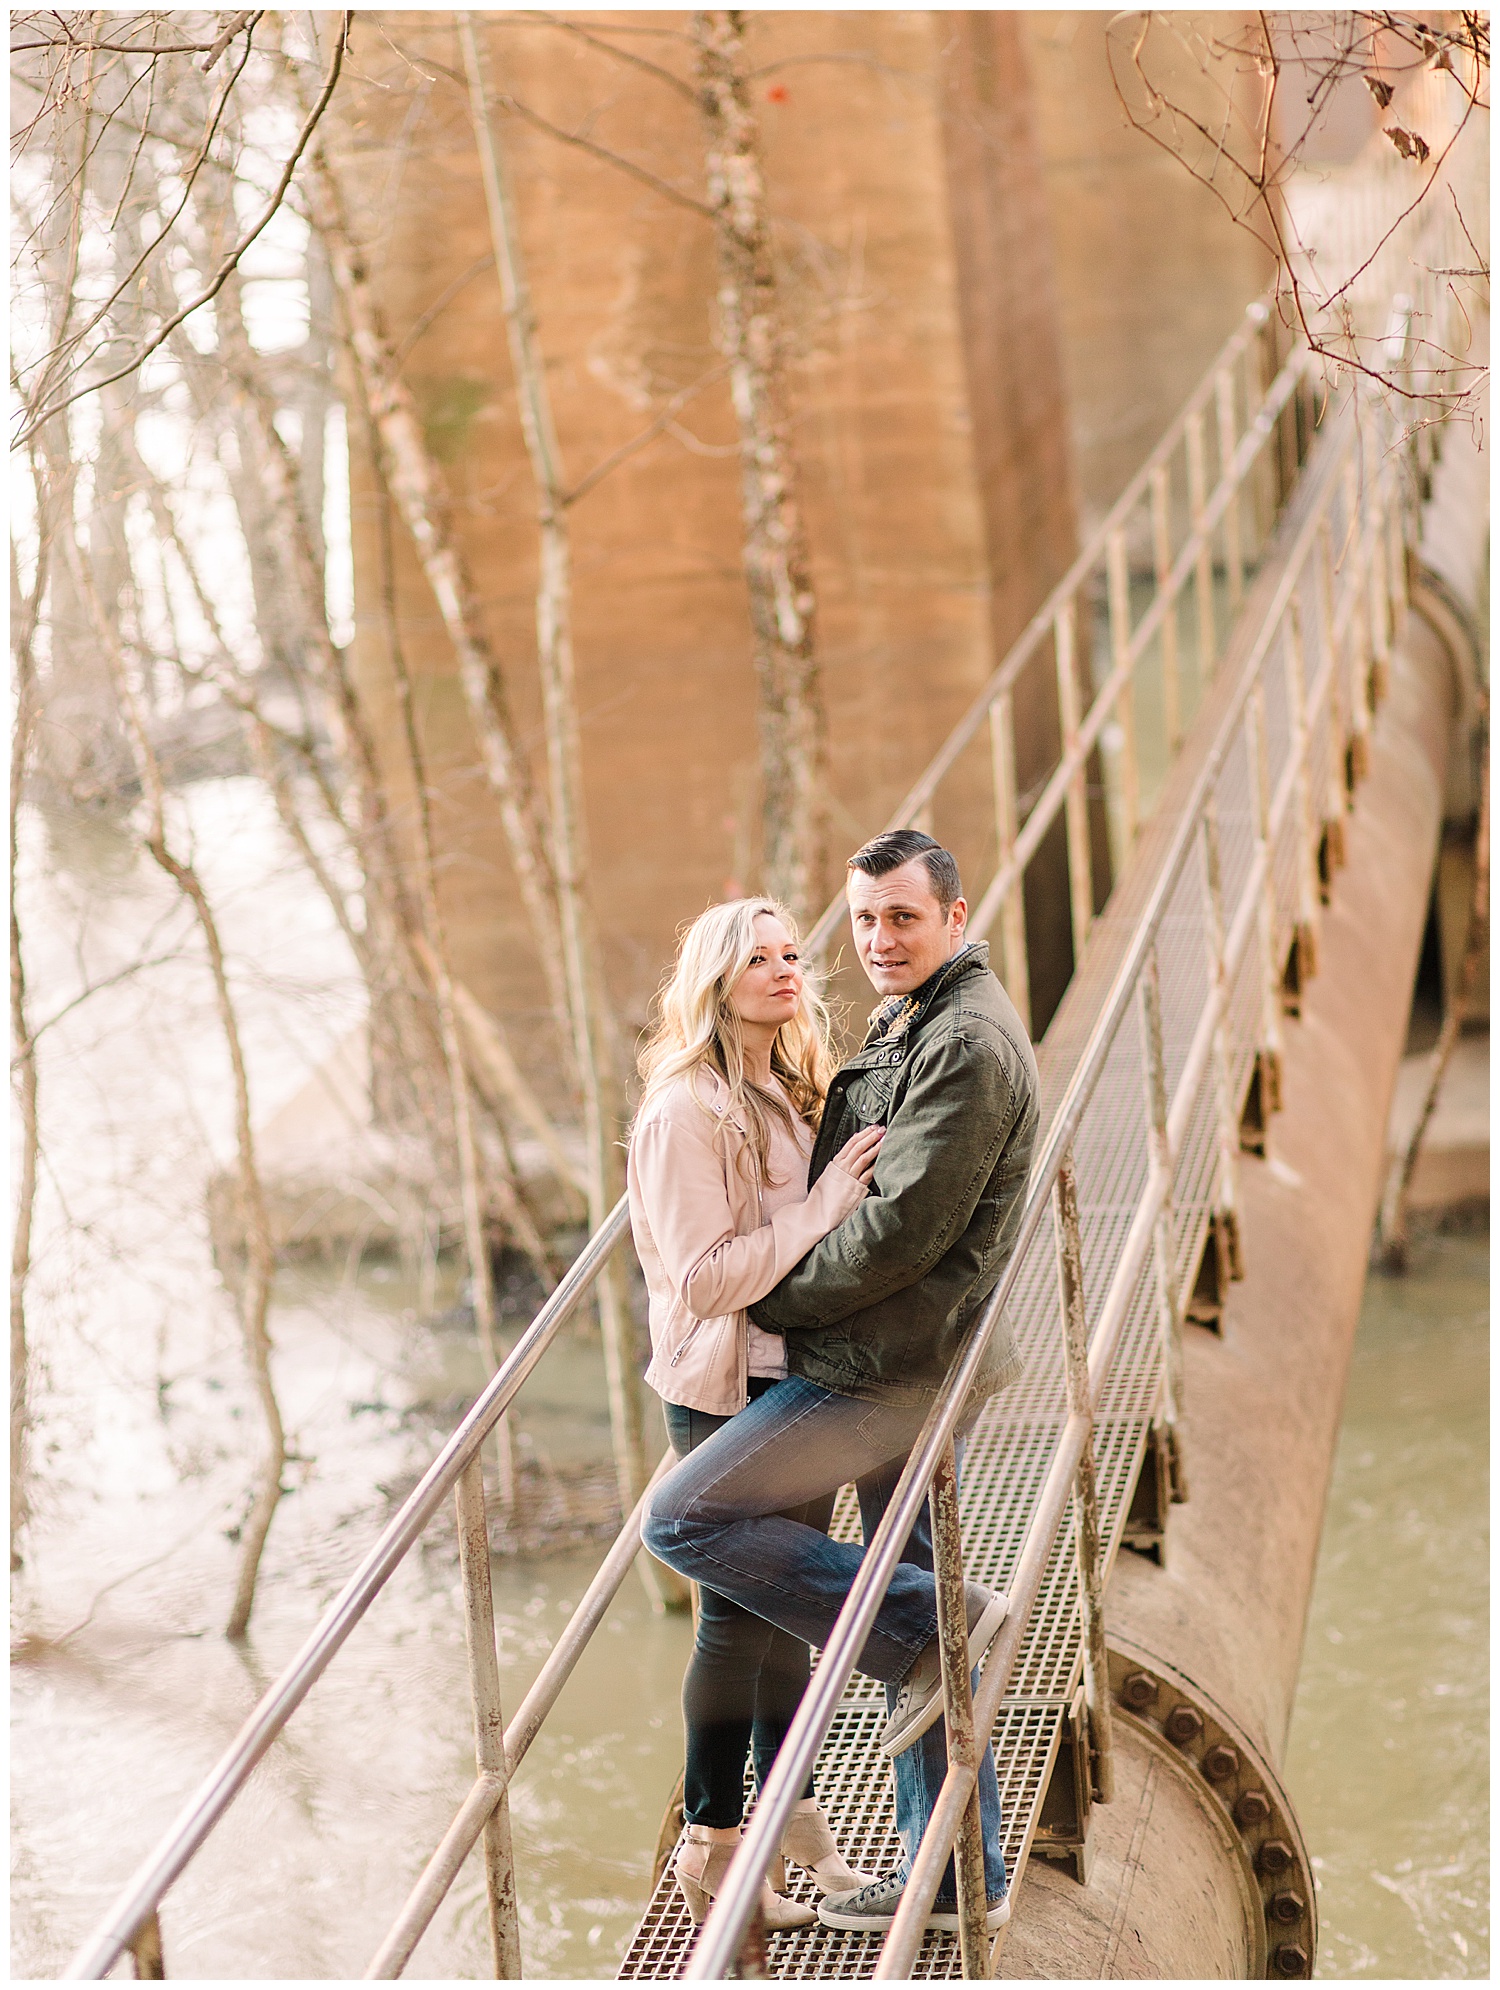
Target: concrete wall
point(996, 297)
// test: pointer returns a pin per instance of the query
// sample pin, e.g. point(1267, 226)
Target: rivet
point(1286, 1908)
point(1254, 1807)
point(1139, 1690)
point(1289, 1960)
point(1184, 1724)
point(1274, 1858)
point(1220, 1763)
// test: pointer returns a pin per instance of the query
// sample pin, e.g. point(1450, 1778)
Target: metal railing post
point(1233, 552)
point(1336, 784)
point(1258, 752)
point(1358, 686)
point(1085, 1484)
point(489, 1725)
point(1380, 598)
point(1307, 822)
point(1227, 1199)
point(1169, 1300)
point(1203, 571)
point(964, 1746)
point(1080, 852)
point(1016, 975)
point(1398, 514)
point(1161, 554)
point(1127, 801)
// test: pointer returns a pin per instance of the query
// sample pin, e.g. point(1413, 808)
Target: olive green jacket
point(879, 1308)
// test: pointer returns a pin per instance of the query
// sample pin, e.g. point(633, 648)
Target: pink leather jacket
point(705, 1247)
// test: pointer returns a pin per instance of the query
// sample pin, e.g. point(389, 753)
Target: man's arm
point(960, 1107)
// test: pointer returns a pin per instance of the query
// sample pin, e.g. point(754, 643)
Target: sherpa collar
point(897, 1014)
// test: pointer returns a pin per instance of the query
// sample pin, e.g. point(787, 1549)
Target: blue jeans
point(720, 1518)
point(745, 1678)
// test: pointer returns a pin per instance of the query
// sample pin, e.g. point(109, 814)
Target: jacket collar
point(899, 1015)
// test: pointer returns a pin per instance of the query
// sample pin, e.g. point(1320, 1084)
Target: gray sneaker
point(872, 1909)
point(919, 1704)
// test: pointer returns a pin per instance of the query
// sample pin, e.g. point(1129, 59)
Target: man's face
point(901, 933)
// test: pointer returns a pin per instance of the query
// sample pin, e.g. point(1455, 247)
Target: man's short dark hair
point(894, 847)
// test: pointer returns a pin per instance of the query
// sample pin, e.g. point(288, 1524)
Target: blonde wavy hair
point(695, 1027)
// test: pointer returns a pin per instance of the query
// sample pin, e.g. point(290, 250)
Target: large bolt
point(1139, 1690)
point(1274, 1858)
point(1289, 1960)
point(1287, 1908)
point(1254, 1807)
point(1220, 1763)
point(1184, 1724)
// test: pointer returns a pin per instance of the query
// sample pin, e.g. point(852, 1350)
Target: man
point(873, 1318)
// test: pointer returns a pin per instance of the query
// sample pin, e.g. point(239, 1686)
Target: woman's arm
point(678, 1175)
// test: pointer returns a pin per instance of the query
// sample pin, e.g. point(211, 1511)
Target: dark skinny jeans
point(745, 1677)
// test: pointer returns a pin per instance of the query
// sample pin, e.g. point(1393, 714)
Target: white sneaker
point(919, 1704)
point(873, 1909)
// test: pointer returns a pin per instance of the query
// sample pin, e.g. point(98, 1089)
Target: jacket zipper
point(697, 1328)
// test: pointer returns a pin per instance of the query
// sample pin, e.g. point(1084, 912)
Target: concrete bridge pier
point(1197, 1868)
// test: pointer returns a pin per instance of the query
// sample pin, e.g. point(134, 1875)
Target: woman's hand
point(857, 1156)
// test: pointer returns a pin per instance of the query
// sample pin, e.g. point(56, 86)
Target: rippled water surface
point(1389, 1755)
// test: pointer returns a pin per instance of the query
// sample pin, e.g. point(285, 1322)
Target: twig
point(230, 263)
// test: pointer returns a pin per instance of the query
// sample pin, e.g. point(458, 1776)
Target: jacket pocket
point(868, 1100)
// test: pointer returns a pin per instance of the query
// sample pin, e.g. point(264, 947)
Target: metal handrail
point(141, 1894)
point(134, 1909)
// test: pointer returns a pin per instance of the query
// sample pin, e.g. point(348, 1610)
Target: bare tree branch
point(231, 262)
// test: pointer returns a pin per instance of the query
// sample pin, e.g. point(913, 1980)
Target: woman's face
point(768, 991)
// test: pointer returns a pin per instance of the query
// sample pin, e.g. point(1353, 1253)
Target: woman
point(735, 1072)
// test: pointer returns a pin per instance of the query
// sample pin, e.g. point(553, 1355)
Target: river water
point(124, 1692)
point(1389, 1755)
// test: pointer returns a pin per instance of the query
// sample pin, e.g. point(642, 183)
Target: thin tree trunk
point(793, 727)
point(420, 493)
point(592, 1027)
point(23, 1056)
point(254, 1298)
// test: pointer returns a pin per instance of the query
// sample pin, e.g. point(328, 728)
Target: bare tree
point(1239, 110)
point(253, 1299)
point(778, 569)
point(588, 1009)
point(24, 614)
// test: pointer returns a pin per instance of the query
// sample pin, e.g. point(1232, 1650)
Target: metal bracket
point(1333, 854)
point(1261, 1099)
point(1146, 1522)
point(1260, 1813)
point(1219, 1264)
point(1301, 966)
point(1062, 1827)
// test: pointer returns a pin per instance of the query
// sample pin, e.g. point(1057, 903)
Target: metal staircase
point(1243, 595)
